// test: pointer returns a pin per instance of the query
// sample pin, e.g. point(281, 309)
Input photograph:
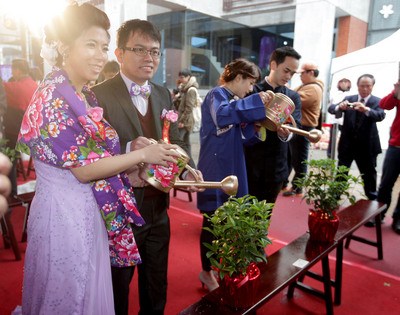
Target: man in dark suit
point(359, 139)
point(133, 106)
point(267, 161)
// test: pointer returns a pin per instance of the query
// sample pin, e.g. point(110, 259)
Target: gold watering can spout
point(228, 185)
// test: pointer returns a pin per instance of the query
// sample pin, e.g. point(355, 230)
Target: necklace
point(83, 98)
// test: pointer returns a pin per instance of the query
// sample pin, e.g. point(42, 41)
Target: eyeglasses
point(142, 52)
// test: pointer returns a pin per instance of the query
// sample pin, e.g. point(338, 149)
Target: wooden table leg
point(327, 285)
point(378, 227)
point(339, 273)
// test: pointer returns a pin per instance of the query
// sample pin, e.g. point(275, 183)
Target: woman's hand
point(266, 98)
point(159, 154)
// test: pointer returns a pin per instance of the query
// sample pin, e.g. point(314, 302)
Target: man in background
point(266, 162)
point(188, 102)
point(359, 140)
point(310, 92)
point(19, 93)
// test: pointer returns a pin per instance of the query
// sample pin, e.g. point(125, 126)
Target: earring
point(64, 57)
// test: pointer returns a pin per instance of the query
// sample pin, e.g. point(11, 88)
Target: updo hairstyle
point(240, 66)
point(72, 22)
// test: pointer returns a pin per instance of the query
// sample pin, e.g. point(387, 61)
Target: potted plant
point(240, 227)
point(325, 187)
point(6, 150)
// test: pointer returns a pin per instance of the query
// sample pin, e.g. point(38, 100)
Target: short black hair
point(136, 25)
point(111, 66)
point(21, 65)
point(185, 72)
point(279, 54)
point(366, 75)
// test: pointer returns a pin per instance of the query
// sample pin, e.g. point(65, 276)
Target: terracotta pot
point(239, 291)
point(322, 226)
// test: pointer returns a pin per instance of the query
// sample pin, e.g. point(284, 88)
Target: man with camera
point(359, 139)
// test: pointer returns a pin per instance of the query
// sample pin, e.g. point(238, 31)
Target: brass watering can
point(166, 178)
point(279, 110)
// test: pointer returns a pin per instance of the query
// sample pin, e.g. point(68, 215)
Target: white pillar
point(313, 37)
point(119, 11)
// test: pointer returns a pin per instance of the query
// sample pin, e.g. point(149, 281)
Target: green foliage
point(326, 185)
point(240, 227)
point(6, 150)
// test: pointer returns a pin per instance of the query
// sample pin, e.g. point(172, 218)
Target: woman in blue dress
point(228, 122)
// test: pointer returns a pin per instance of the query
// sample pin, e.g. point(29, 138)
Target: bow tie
point(144, 90)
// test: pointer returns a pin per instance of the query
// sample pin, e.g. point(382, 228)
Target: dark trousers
point(184, 134)
point(299, 148)
point(153, 244)
point(390, 173)
point(366, 165)
point(263, 189)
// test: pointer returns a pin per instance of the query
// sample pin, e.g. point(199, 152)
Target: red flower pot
point(322, 226)
point(239, 291)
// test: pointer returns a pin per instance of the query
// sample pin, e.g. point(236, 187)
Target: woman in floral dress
point(84, 206)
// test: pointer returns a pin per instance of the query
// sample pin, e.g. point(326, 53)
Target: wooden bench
point(350, 219)
point(280, 272)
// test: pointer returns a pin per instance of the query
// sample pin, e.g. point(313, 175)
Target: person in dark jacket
point(267, 165)
point(359, 140)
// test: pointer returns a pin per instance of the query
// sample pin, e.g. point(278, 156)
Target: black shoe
point(396, 225)
point(292, 192)
point(371, 223)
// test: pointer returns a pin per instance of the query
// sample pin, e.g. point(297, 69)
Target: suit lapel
point(156, 106)
point(125, 101)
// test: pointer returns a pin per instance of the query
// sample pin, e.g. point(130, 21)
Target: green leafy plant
point(327, 185)
point(240, 227)
point(6, 150)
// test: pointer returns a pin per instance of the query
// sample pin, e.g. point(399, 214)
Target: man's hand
point(345, 105)
point(360, 107)
point(283, 132)
point(141, 142)
point(198, 178)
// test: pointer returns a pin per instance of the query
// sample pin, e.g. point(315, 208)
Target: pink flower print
point(93, 156)
point(88, 128)
point(102, 185)
point(166, 174)
point(96, 113)
point(169, 115)
point(80, 139)
point(57, 103)
point(69, 156)
point(125, 244)
point(53, 130)
point(70, 122)
point(107, 208)
point(46, 93)
point(62, 126)
point(126, 198)
point(32, 120)
point(111, 133)
point(49, 113)
point(58, 116)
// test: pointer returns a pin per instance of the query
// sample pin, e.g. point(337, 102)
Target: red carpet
point(370, 286)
